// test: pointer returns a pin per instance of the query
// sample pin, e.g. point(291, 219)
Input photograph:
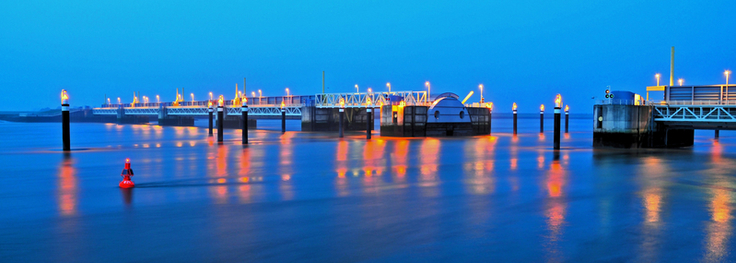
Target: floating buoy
point(126, 174)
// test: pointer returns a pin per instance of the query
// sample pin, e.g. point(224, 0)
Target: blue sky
point(522, 51)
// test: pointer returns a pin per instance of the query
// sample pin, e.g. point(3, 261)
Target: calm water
point(310, 197)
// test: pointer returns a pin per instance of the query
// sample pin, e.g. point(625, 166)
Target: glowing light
point(402, 104)
point(211, 95)
point(388, 85)
point(282, 104)
point(680, 81)
point(253, 93)
point(567, 108)
point(158, 99)
point(209, 104)
point(368, 101)
point(489, 105)
point(64, 97)
point(513, 107)
point(657, 77)
point(192, 96)
point(118, 100)
point(342, 103)
point(357, 90)
point(221, 101)
point(370, 90)
point(727, 72)
point(260, 94)
point(541, 107)
point(558, 101)
point(108, 100)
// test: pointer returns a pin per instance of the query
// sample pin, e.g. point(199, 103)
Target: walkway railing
point(361, 100)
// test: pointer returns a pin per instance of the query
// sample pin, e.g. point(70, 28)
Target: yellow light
point(426, 83)
point(370, 90)
point(282, 104)
point(118, 100)
point(221, 101)
point(64, 97)
point(541, 107)
point(402, 104)
point(209, 104)
point(680, 81)
point(342, 103)
point(513, 107)
point(210, 95)
point(727, 72)
point(567, 107)
point(558, 101)
point(368, 100)
point(192, 96)
point(489, 105)
point(158, 99)
point(253, 93)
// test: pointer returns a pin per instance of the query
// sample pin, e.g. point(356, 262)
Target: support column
point(557, 126)
point(368, 123)
point(220, 121)
point(342, 116)
point(244, 111)
point(567, 119)
point(541, 121)
point(210, 110)
point(283, 120)
point(515, 119)
point(65, 119)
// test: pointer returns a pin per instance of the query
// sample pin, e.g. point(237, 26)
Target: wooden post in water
point(342, 116)
point(283, 120)
point(541, 119)
point(368, 115)
point(515, 119)
point(567, 118)
point(210, 110)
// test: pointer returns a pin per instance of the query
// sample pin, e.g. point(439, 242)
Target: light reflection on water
point(499, 197)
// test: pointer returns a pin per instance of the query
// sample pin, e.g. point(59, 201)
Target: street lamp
point(158, 99)
point(370, 90)
point(192, 97)
point(118, 100)
point(429, 89)
point(287, 92)
point(357, 90)
point(260, 94)
point(210, 95)
point(481, 93)
point(251, 93)
point(727, 73)
point(657, 76)
point(680, 81)
point(388, 84)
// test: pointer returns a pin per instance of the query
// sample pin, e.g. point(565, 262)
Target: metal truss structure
point(259, 110)
point(695, 113)
point(361, 100)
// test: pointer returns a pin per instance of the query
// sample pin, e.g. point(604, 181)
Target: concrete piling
point(567, 118)
point(558, 108)
point(342, 116)
point(65, 119)
point(244, 111)
point(210, 111)
point(541, 119)
point(283, 120)
point(220, 120)
point(515, 118)
point(717, 134)
point(368, 115)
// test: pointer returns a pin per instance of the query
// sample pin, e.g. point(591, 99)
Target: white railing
point(694, 113)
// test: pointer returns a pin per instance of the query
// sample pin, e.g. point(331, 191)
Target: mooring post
point(342, 116)
point(65, 134)
point(718, 134)
point(244, 111)
point(514, 111)
point(210, 110)
point(567, 118)
point(283, 120)
point(490, 117)
point(220, 119)
point(558, 108)
point(541, 119)
point(368, 123)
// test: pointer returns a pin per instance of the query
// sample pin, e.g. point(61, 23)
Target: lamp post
point(680, 81)
point(388, 85)
point(657, 77)
point(481, 93)
point(220, 118)
point(558, 107)
point(357, 90)
point(65, 134)
point(244, 112)
point(727, 73)
point(210, 95)
point(192, 94)
point(342, 115)
point(429, 90)
point(567, 117)
point(541, 118)
point(513, 109)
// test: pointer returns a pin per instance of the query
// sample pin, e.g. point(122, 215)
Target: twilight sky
point(522, 51)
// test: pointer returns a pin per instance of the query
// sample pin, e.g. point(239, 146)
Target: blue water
point(311, 197)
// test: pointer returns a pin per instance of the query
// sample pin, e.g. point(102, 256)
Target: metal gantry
point(695, 112)
point(259, 110)
point(360, 100)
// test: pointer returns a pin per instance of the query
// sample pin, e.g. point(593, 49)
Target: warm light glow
point(260, 94)
point(209, 104)
point(489, 105)
point(513, 107)
point(357, 89)
point(558, 101)
point(253, 93)
point(656, 76)
point(567, 108)
point(680, 81)
point(64, 97)
point(287, 91)
point(368, 100)
point(541, 107)
point(221, 101)
point(388, 85)
point(192, 96)
point(370, 90)
point(727, 72)
point(158, 99)
point(342, 103)
point(426, 83)
point(282, 104)
point(118, 100)
point(402, 104)
point(210, 95)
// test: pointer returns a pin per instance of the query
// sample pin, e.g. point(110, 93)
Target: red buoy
point(126, 174)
